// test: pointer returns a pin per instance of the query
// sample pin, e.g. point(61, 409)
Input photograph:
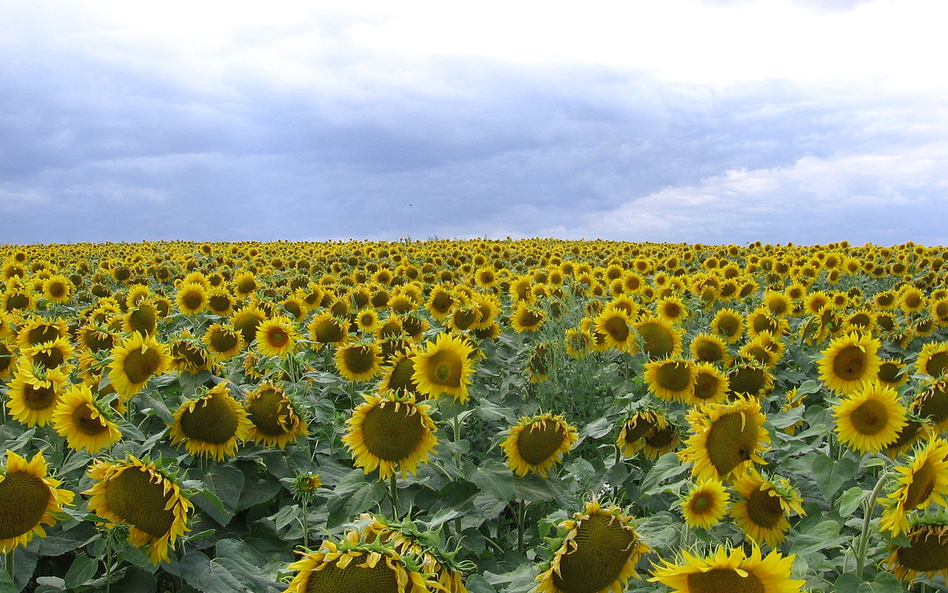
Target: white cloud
point(821, 199)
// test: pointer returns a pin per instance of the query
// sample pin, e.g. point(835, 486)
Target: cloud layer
point(306, 123)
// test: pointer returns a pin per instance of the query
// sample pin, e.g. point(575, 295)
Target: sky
point(697, 121)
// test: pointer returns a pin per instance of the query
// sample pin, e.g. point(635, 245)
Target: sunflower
point(933, 359)
point(359, 361)
point(58, 289)
point(56, 353)
point(223, 342)
point(33, 393)
point(749, 379)
point(614, 325)
point(848, 361)
point(725, 439)
point(246, 320)
point(83, 421)
point(141, 496)
point(636, 428)
point(274, 418)
point(927, 552)
point(389, 430)
point(707, 347)
point(671, 379)
point(39, 330)
point(711, 385)
point(191, 298)
point(354, 564)
point(728, 324)
point(8, 359)
point(659, 339)
point(661, 441)
point(29, 498)
point(189, 356)
point(932, 405)
point(245, 283)
point(672, 309)
point(763, 510)
point(705, 504)
point(869, 420)
point(923, 480)
point(276, 337)
point(597, 552)
point(730, 571)
point(444, 367)
point(211, 425)
point(220, 302)
point(326, 329)
point(537, 442)
point(526, 317)
point(577, 342)
point(134, 361)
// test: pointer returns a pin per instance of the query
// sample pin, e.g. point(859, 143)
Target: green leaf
point(81, 570)
point(824, 536)
point(244, 563)
point(809, 386)
point(850, 500)
point(6, 583)
point(478, 584)
point(597, 429)
point(224, 482)
point(667, 467)
point(495, 479)
point(207, 575)
point(831, 475)
point(847, 583)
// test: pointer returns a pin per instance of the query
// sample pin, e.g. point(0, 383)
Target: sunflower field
point(523, 416)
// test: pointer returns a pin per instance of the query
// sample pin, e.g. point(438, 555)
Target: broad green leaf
point(830, 474)
point(81, 570)
point(850, 500)
point(495, 479)
point(667, 467)
point(208, 576)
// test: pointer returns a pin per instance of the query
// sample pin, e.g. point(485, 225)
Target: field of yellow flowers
point(488, 416)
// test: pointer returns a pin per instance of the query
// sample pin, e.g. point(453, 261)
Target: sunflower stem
point(393, 494)
point(864, 540)
point(305, 503)
point(9, 563)
point(521, 519)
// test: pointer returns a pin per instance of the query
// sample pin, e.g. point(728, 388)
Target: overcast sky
point(709, 121)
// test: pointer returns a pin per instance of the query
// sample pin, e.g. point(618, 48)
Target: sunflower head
point(537, 442)
point(870, 419)
point(445, 366)
point(637, 428)
point(34, 393)
point(922, 480)
point(276, 337)
point(763, 510)
point(658, 338)
point(134, 361)
point(927, 552)
point(85, 422)
point(596, 552)
point(849, 361)
point(726, 439)
point(354, 564)
point(29, 498)
point(136, 493)
point(273, 415)
point(389, 431)
point(730, 570)
point(671, 379)
point(705, 504)
point(359, 361)
point(211, 424)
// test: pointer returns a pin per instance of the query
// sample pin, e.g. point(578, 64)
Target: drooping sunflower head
point(445, 366)
point(223, 342)
point(56, 353)
point(849, 361)
point(706, 347)
point(729, 570)
point(749, 379)
point(84, 421)
point(211, 425)
point(658, 339)
point(526, 317)
point(726, 439)
point(39, 330)
point(870, 419)
point(189, 355)
point(537, 442)
point(596, 552)
point(354, 564)
point(389, 431)
point(29, 498)
point(636, 428)
point(273, 416)
point(671, 379)
point(705, 504)
point(933, 359)
point(932, 405)
point(578, 342)
point(326, 329)
point(138, 494)
point(359, 361)
point(927, 552)
point(134, 361)
point(762, 512)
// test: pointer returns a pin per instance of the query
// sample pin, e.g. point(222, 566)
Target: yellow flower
point(273, 416)
point(729, 571)
point(870, 419)
point(138, 494)
point(276, 337)
point(29, 498)
point(671, 379)
point(764, 507)
point(390, 430)
point(359, 361)
point(705, 504)
point(726, 439)
point(134, 361)
point(211, 425)
point(80, 419)
point(597, 555)
point(444, 367)
point(537, 442)
point(849, 361)
point(34, 392)
point(924, 480)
